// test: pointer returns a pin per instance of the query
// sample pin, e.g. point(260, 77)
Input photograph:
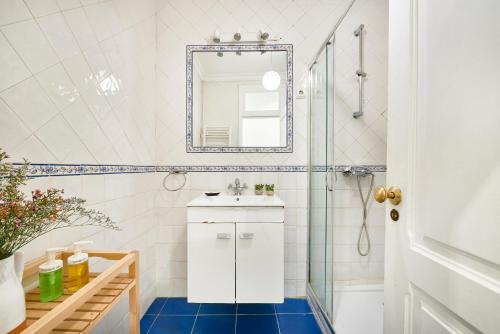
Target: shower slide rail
point(80, 312)
point(361, 74)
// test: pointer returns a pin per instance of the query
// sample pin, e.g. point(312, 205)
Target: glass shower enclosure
point(321, 174)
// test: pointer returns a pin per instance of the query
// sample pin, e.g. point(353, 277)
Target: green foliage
point(24, 219)
point(259, 187)
point(269, 187)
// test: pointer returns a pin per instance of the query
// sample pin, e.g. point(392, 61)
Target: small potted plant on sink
point(270, 189)
point(259, 189)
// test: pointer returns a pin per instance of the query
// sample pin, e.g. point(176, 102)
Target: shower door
point(320, 178)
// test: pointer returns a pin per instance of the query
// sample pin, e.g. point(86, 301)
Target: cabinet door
point(259, 263)
point(211, 263)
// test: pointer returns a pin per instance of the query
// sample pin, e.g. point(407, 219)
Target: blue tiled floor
point(177, 316)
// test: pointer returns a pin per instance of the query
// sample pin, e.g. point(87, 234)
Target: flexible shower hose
point(364, 228)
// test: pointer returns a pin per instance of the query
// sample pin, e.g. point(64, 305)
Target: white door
point(443, 255)
point(211, 263)
point(259, 263)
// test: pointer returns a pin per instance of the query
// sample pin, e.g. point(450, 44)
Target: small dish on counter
point(212, 194)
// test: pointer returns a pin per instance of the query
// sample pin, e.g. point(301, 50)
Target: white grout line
point(236, 319)
point(277, 321)
point(157, 315)
point(197, 313)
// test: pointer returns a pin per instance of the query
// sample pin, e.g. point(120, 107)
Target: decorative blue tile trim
point(341, 168)
point(44, 170)
point(190, 148)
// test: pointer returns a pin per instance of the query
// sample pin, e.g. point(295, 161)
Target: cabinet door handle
point(223, 235)
point(247, 235)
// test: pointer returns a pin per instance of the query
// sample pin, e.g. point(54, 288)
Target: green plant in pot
point(259, 189)
point(23, 219)
point(270, 189)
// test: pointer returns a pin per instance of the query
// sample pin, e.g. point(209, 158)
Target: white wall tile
point(12, 130)
point(63, 142)
point(30, 43)
point(13, 11)
point(78, 23)
point(88, 130)
point(42, 7)
point(30, 103)
point(13, 69)
point(58, 86)
point(59, 35)
point(68, 4)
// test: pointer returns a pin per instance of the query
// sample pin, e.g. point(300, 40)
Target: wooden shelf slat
point(81, 311)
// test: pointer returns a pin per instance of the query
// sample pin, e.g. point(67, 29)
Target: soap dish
point(212, 194)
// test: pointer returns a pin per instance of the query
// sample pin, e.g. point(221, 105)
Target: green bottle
point(51, 277)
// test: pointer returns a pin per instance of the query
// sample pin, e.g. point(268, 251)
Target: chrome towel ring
point(174, 172)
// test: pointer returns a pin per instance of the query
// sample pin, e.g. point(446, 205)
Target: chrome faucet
point(237, 189)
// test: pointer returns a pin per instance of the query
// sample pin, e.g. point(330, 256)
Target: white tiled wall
point(79, 70)
point(129, 200)
point(304, 23)
point(77, 85)
point(363, 140)
point(171, 249)
point(348, 265)
point(360, 141)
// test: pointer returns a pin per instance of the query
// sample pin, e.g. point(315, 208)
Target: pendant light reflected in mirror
point(271, 80)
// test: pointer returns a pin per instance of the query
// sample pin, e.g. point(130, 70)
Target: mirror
point(239, 98)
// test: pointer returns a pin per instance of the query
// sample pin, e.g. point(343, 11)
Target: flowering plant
point(24, 219)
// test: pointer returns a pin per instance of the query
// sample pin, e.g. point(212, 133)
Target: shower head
point(358, 31)
point(356, 171)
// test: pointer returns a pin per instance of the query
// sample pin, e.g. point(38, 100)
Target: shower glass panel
point(320, 179)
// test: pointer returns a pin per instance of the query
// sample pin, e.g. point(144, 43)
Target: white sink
point(235, 209)
point(243, 201)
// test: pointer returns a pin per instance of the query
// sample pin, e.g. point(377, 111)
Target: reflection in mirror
point(239, 99)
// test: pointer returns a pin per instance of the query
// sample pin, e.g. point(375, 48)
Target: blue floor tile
point(298, 324)
point(256, 309)
point(218, 309)
point(167, 324)
point(179, 306)
point(156, 306)
point(146, 322)
point(214, 324)
point(293, 305)
point(256, 324)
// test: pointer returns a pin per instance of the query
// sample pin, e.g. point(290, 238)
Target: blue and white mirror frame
point(190, 49)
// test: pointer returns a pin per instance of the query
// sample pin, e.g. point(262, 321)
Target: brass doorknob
point(393, 194)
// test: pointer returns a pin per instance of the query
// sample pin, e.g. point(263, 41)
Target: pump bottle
point(51, 277)
point(78, 267)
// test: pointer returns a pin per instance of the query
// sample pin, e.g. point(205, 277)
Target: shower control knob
point(393, 194)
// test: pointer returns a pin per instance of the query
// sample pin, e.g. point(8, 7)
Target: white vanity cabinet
point(259, 262)
point(236, 261)
point(211, 262)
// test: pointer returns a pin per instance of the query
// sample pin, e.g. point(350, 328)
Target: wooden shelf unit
point(80, 312)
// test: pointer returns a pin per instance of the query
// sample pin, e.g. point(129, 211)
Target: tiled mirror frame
point(243, 48)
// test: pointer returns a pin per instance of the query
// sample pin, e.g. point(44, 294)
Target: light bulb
point(271, 80)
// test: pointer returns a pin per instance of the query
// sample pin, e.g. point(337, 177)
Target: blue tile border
point(44, 170)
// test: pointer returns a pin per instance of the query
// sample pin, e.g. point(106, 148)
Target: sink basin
point(236, 201)
point(236, 209)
